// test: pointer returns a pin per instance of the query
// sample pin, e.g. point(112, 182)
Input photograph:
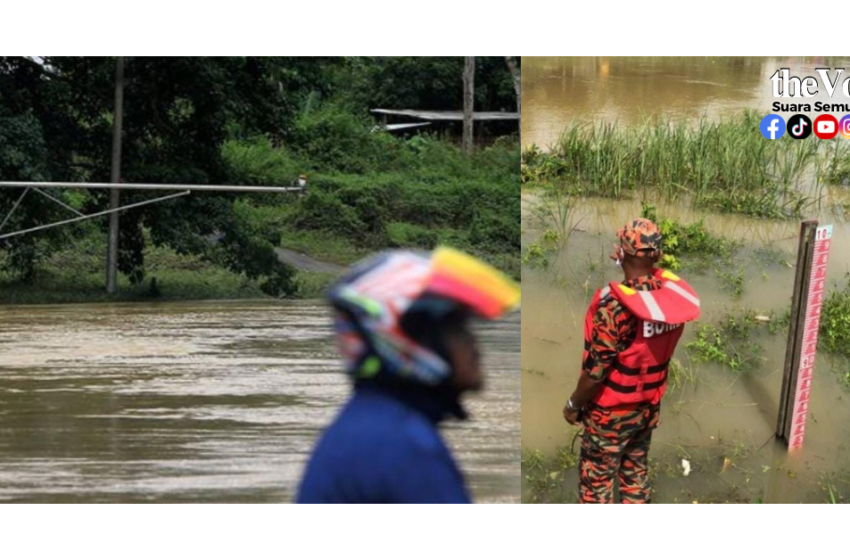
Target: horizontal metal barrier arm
point(147, 187)
point(95, 215)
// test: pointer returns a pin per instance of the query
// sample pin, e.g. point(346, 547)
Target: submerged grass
point(834, 333)
point(544, 475)
point(691, 240)
point(726, 165)
point(729, 342)
point(837, 167)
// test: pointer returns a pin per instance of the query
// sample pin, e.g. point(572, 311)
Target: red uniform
point(649, 312)
point(639, 374)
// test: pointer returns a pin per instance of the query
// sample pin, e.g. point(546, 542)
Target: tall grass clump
point(834, 332)
point(726, 165)
point(836, 171)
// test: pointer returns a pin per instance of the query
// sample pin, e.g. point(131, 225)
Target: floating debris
point(686, 465)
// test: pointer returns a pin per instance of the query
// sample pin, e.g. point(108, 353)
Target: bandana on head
point(639, 237)
point(373, 297)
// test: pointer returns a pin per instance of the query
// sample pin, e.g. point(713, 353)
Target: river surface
point(203, 402)
point(721, 422)
point(556, 91)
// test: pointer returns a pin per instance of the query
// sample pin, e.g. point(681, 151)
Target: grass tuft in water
point(543, 475)
point(693, 241)
point(725, 165)
point(729, 342)
point(834, 334)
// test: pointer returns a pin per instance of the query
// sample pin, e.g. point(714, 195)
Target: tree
point(516, 75)
point(468, 102)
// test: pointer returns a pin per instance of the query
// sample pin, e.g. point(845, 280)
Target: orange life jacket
point(639, 373)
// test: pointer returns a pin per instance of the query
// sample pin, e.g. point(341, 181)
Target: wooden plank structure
point(398, 127)
point(448, 115)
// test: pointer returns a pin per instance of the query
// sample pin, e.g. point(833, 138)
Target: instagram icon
point(844, 126)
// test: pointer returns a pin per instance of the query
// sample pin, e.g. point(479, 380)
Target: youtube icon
point(826, 127)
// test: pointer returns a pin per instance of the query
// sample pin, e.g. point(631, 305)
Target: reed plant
point(726, 165)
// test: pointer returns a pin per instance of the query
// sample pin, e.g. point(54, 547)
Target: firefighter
point(630, 333)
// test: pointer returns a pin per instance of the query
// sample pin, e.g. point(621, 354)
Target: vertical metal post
point(805, 251)
point(468, 102)
point(115, 177)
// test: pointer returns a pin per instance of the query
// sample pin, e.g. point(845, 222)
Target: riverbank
point(423, 192)
point(76, 275)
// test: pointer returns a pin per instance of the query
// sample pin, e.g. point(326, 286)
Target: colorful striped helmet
point(374, 298)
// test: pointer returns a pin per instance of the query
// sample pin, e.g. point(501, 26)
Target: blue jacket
point(383, 449)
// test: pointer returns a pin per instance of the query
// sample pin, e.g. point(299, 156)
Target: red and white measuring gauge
point(814, 302)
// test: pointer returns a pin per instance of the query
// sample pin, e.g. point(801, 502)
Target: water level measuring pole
point(806, 304)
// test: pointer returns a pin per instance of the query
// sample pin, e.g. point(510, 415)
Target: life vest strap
point(637, 371)
point(634, 388)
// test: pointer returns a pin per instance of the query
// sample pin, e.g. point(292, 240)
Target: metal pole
point(109, 212)
point(15, 207)
point(115, 177)
point(794, 346)
point(59, 202)
point(148, 187)
point(468, 102)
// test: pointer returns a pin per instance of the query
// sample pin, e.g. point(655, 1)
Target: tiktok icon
point(799, 127)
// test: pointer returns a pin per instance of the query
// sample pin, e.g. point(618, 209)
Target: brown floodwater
point(203, 402)
point(723, 414)
point(723, 421)
point(556, 91)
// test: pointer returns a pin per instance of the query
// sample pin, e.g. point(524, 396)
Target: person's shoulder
point(382, 420)
point(607, 301)
point(422, 435)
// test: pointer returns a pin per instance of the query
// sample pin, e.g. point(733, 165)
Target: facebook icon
point(772, 127)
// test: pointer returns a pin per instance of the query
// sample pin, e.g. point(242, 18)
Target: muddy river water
point(556, 91)
point(202, 402)
point(721, 422)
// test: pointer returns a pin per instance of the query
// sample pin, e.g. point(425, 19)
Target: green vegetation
point(731, 280)
point(421, 193)
point(729, 342)
point(723, 165)
point(543, 475)
point(679, 376)
point(76, 273)
point(834, 333)
point(691, 240)
point(837, 168)
point(250, 120)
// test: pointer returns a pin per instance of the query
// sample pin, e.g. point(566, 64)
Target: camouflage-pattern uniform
point(615, 443)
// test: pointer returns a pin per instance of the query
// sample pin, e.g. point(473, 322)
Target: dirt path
point(303, 262)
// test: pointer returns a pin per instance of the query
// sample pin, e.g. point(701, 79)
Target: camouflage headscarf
point(639, 237)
